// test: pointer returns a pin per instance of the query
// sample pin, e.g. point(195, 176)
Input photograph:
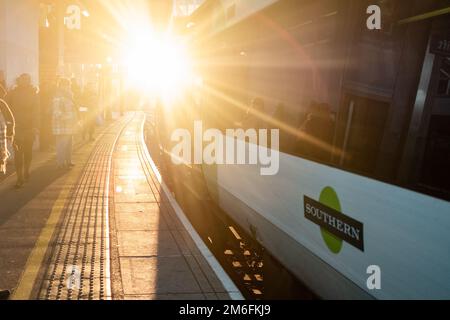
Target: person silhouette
point(24, 104)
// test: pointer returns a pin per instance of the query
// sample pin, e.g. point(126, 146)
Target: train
point(360, 206)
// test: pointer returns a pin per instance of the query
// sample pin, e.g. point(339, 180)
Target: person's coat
point(24, 104)
point(64, 114)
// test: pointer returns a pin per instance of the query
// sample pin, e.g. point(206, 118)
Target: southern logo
point(335, 226)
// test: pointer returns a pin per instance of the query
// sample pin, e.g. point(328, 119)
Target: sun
point(156, 64)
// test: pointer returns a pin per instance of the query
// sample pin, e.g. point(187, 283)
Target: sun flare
point(156, 64)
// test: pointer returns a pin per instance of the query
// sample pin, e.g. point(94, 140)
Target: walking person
point(24, 104)
point(6, 133)
point(64, 116)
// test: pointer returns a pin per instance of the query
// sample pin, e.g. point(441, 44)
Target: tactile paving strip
point(79, 264)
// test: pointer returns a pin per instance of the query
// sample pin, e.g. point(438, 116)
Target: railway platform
point(107, 229)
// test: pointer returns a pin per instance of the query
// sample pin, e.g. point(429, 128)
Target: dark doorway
point(435, 169)
point(361, 126)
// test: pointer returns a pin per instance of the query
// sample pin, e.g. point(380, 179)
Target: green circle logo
point(329, 198)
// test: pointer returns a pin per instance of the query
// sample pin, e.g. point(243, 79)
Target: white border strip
point(107, 229)
point(226, 281)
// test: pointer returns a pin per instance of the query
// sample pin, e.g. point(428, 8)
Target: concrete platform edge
point(226, 281)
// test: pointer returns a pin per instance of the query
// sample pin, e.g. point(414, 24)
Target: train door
point(428, 156)
point(435, 167)
point(360, 129)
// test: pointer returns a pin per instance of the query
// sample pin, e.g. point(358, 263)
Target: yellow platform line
point(35, 259)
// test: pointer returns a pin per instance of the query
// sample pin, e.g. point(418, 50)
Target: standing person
point(317, 133)
point(6, 133)
point(90, 103)
point(24, 104)
point(64, 123)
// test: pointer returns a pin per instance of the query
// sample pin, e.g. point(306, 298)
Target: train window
point(296, 59)
point(360, 130)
